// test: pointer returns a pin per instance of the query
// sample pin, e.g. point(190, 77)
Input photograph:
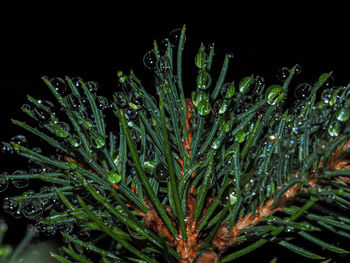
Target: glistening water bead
point(282, 74)
point(10, 205)
point(73, 101)
point(20, 182)
point(302, 91)
point(150, 60)
point(32, 208)
point(59, 85)
point(42, 115)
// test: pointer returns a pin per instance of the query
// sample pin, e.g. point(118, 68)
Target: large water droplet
point(32, 209)
point(77, 82)
point(42, 115)
point(73, 101)
point(20, 139)
point(282, 74)
point(298, 69)
point(174, 36)
point(113, 177)
point(20, 183)
point(97, 141)
point(59, 85)
point(203, 80)
point(228, 90)
point(136, 102)
point(201, 58)
point(10, 205)
point(160, 173)
point(343, 114)
point(334, 128)
point(302, 91)
point(203, 107)
point(46, 229)
point(274, 94)
point(326, 95)
point(92, 86)
point(246, 85)
point(150, 60)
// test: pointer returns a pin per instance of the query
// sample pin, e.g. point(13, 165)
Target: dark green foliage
point(245, 146)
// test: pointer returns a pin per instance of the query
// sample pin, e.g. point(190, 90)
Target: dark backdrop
point(95, 42)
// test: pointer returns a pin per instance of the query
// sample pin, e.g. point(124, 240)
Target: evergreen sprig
point(187, 179)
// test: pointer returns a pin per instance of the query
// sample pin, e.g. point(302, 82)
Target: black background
point(94, 42)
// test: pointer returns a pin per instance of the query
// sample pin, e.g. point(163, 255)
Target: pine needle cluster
point(173, 179)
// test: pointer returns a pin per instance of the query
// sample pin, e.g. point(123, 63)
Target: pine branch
point(187, 179)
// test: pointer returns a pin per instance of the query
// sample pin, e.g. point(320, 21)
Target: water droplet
point(240, 136)
point(282, 74)
point(203, 107)
point(75, 141)
point(32, 209)
point(42, 115)
point(329, 82)
point(150, 60)
point(201, 58)
point(77, 82)
point(59, 85)
point(61, 129)
point(97, 141)
point(160, 173)
point(302, 91)
point(17, 214)
point(10, 205)
point(113, 177)
point(297, 69)
point(26, 107)
point(228, 90)
point(92, 86)
point(174, 36)
point(259, 83)
point(333, 129)
point(4, 183)
point(136, 102)
point(46, 229)
point(22, 182)
point(20, 139)
point(199, 96)
point(274, 94)
point(203, 80)
point(101, 102)
point(246, 85)
point(326, 95)
point(73, 101)
point(343, 115)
